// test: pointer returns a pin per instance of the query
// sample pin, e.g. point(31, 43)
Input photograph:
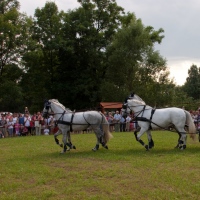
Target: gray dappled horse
point(68, 121)
point(159, 118)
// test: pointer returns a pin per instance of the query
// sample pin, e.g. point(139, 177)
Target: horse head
point(47, 108)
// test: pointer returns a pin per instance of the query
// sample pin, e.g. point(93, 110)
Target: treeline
point(94, 53)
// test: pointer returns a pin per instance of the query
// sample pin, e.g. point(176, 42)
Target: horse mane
point(137, 101)
point(55, 101)
point(138, 98)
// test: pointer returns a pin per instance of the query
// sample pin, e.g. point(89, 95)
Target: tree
point(87, 32)
point(41, 61)
point(14, 33)
point(192, 84)
point(133, 64)
point(14, 37)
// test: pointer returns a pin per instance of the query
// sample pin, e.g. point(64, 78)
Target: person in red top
point(9, 116)
point(105, 114)
point(33, 118)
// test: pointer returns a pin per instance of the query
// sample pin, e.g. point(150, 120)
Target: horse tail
point(190, 123)
point(105, 126)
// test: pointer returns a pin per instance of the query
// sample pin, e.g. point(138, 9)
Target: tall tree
point(14, 32)
point(42, 61)
point(133, 64)
point(86, 33)
point(192, 84)
point(14, 37)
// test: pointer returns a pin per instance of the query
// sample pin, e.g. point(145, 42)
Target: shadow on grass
point(121, 154)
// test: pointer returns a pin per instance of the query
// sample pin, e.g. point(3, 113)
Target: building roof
point(111, 104)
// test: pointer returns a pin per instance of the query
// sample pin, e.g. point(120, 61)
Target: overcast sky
point(178, 18)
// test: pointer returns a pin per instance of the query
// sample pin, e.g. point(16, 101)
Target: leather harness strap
point(60, 120)
point(152, 113)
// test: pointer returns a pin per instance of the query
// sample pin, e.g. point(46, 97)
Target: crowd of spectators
point(196, 118)
point(18, 124)
point(118, 123)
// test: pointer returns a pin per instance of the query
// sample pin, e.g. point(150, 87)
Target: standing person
point(21, 119)
point(26, 110)
point(14, 121)
point(117, 118)
point(27, 120)
point(198, 116)
point(52, 125)
point(9, 116)
point(17, 126)
point(38, 123)
point(195, 118)
point(110, 121)
point(21, 122)
point(10, 127)
point(105, 114)
point(47, 121)
point(128, 119)
point(33, 118)
point(3, 123)
point(122, 123)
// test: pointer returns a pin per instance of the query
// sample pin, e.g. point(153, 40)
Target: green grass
point(33, 168)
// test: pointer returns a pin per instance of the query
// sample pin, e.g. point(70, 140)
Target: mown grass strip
point(33, 168)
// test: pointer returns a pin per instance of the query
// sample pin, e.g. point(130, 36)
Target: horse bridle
point(47, 105)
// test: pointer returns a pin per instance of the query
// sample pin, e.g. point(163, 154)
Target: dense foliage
point(93, 53)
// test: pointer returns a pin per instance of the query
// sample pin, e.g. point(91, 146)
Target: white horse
point(161, 118)
point(68, 121)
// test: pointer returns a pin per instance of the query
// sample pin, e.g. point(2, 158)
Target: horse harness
point(61, 121)
point(144, 119)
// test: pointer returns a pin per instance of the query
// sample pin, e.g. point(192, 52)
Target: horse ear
point(125, 101)
point(132, 94)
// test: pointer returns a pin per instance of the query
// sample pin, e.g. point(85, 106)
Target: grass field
point(33, 168)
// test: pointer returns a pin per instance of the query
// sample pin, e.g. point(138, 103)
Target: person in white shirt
point(46, 131)
point(128, 119)
point(117, 118)
point(10, 127)
point(27, 120)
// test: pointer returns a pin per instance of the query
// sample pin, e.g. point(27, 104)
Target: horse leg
point(135, 132)
point(184, 136)
point(65, 142)
point(55, 137)
point(100, 138)
point(69, 141)
point(97, 144)
point(179, 139)
point(142, 131)
point(100, 135)
point(151, 143)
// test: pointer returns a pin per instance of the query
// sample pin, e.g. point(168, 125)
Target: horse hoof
point(106, 147)
point(94, 149)
point(61, 145)
point(176, 146)
point(74, 147)
point(181, 147)
point(62, 152)
point(68, 149)
point(147, 147)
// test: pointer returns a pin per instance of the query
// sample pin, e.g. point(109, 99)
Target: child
point(25, 131)
point(10, 127)
point(46, 131)
point(17, 125)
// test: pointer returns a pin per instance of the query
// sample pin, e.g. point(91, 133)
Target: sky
point(178, 18)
